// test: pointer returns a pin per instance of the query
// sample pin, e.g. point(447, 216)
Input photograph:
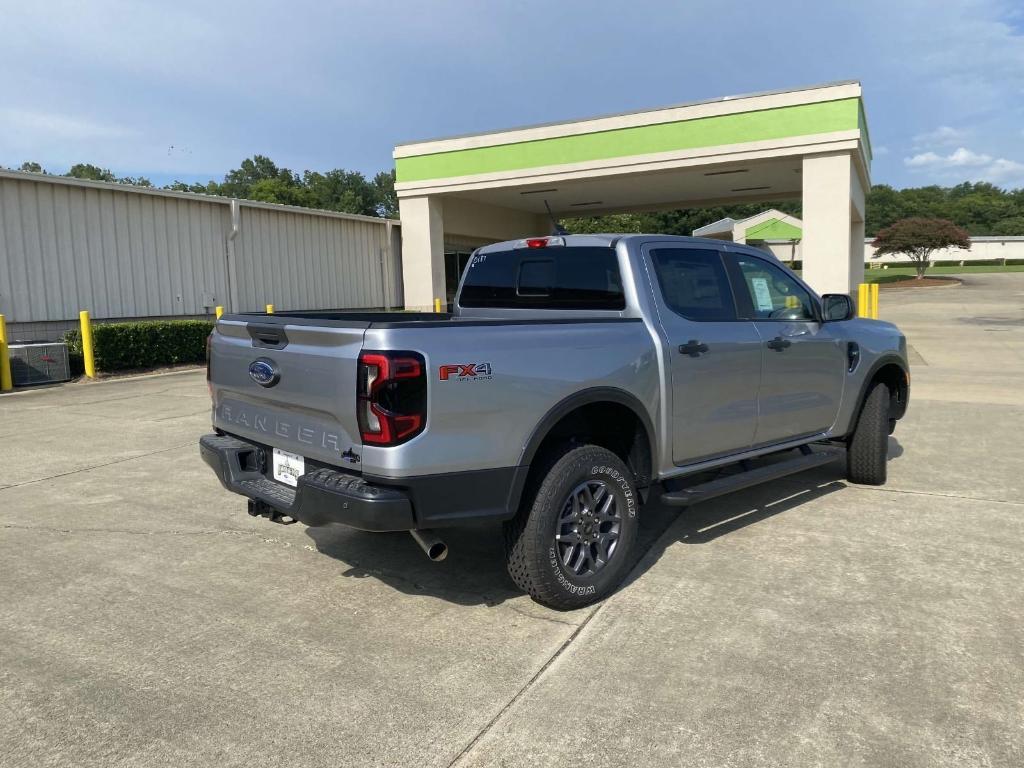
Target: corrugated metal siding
point(297, 261)
point(123, 252)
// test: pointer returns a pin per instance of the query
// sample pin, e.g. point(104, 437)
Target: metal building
point(132, 252)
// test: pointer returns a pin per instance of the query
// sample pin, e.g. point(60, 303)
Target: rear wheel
point(867, 448)
point(570, 544)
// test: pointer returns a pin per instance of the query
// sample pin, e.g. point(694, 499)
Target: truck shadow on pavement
point(472, 574)
point(474, 571)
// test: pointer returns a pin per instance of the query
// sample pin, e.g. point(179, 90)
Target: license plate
point(288, 467)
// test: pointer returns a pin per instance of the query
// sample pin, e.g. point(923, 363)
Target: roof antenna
point(556, 228)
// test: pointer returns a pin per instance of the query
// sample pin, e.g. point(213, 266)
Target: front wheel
point(868, 446)
point(571, 543)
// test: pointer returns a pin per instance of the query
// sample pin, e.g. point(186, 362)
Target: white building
point(782, 234)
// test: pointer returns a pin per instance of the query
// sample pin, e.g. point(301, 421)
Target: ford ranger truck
point(576, 378)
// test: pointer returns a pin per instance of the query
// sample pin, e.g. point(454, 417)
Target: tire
point(869, 443)
point(567, 573)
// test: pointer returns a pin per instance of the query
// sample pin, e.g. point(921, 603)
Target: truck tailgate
point(306, 403)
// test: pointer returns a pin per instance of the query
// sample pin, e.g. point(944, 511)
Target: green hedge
point(145, 344)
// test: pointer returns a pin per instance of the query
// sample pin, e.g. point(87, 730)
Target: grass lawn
point(898, 274)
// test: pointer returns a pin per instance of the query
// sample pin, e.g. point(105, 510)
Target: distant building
point(128, 253)
point(781, 234)
point(772, 230)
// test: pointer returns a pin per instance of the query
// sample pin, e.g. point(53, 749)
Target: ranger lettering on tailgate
point(236, 413)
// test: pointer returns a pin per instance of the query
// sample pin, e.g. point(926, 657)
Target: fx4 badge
point(465, 372)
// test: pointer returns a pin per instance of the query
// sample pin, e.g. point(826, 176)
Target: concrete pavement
point(145, 620)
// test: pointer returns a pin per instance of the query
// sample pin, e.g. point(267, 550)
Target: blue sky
point(188, 89)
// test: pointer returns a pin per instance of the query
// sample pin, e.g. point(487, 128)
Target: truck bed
point(395, 320)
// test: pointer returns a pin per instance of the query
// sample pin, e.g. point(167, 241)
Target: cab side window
point(694, 283)
point(768, 292)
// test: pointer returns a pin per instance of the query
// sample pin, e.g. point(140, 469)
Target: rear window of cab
point(583, 277)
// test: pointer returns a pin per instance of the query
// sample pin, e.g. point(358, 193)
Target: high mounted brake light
point(391, 397)
point(540, 242)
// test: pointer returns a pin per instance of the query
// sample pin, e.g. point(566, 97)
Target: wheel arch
point(894, 372)
point(579, 411)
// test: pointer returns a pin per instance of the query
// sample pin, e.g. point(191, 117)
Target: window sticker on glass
point(762, 294)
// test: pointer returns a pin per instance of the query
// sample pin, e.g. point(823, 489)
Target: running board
point(737, 482)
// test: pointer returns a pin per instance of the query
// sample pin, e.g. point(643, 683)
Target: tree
point(387, 200)
point(341, 190)
point(612, 222)
point(210, 188)
point(95, 173)
point(240, 182)
point(260, 178)
point(90, 172)
point(280, 191)
point(677, 222)
point(1011, 227)
point(32, 168)
point(918, 238)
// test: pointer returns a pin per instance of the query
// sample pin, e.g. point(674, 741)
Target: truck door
point(804, 359)
point(715, 358)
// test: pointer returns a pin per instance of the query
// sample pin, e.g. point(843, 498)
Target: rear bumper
point(323, 495)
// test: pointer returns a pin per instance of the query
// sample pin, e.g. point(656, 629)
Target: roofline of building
point(722, 225)
point(605, 116)
point(110, 186)
point(727, 224)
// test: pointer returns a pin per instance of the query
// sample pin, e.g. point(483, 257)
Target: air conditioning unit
point(40, 362)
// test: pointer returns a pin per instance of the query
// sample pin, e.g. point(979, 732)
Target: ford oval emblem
point(264, 372)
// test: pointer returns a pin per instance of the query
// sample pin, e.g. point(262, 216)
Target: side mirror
point(836, 307)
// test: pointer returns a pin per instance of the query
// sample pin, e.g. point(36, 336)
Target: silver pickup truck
point(577, 378)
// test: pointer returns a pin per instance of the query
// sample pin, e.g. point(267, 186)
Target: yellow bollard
point(219, 311)
point(6, 382)
point(270, 309)
point(863, 310)
point(437, 305)
point(87, 351)
point(874, 300)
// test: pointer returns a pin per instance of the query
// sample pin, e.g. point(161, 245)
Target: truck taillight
point(391, 397)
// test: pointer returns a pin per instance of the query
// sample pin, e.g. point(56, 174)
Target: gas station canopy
point(810, 144)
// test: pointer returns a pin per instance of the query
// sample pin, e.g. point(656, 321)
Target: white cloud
point(942, 136)
point(1006, 170)
point(52, 125)
point(963, 162)
point(957, 159)
point(880, 151)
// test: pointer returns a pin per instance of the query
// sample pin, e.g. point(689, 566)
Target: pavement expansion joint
point(99, 466)
point(128, 532)
point(528, 685)
point(909, 492)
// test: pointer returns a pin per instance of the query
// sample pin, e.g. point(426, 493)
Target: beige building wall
point(833, 204)
point(422, 251)
point(476, 220)
point(982, 249)
point(428, 222)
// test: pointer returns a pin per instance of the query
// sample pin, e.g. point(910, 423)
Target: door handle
point(778, 343)
point(693, 348)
